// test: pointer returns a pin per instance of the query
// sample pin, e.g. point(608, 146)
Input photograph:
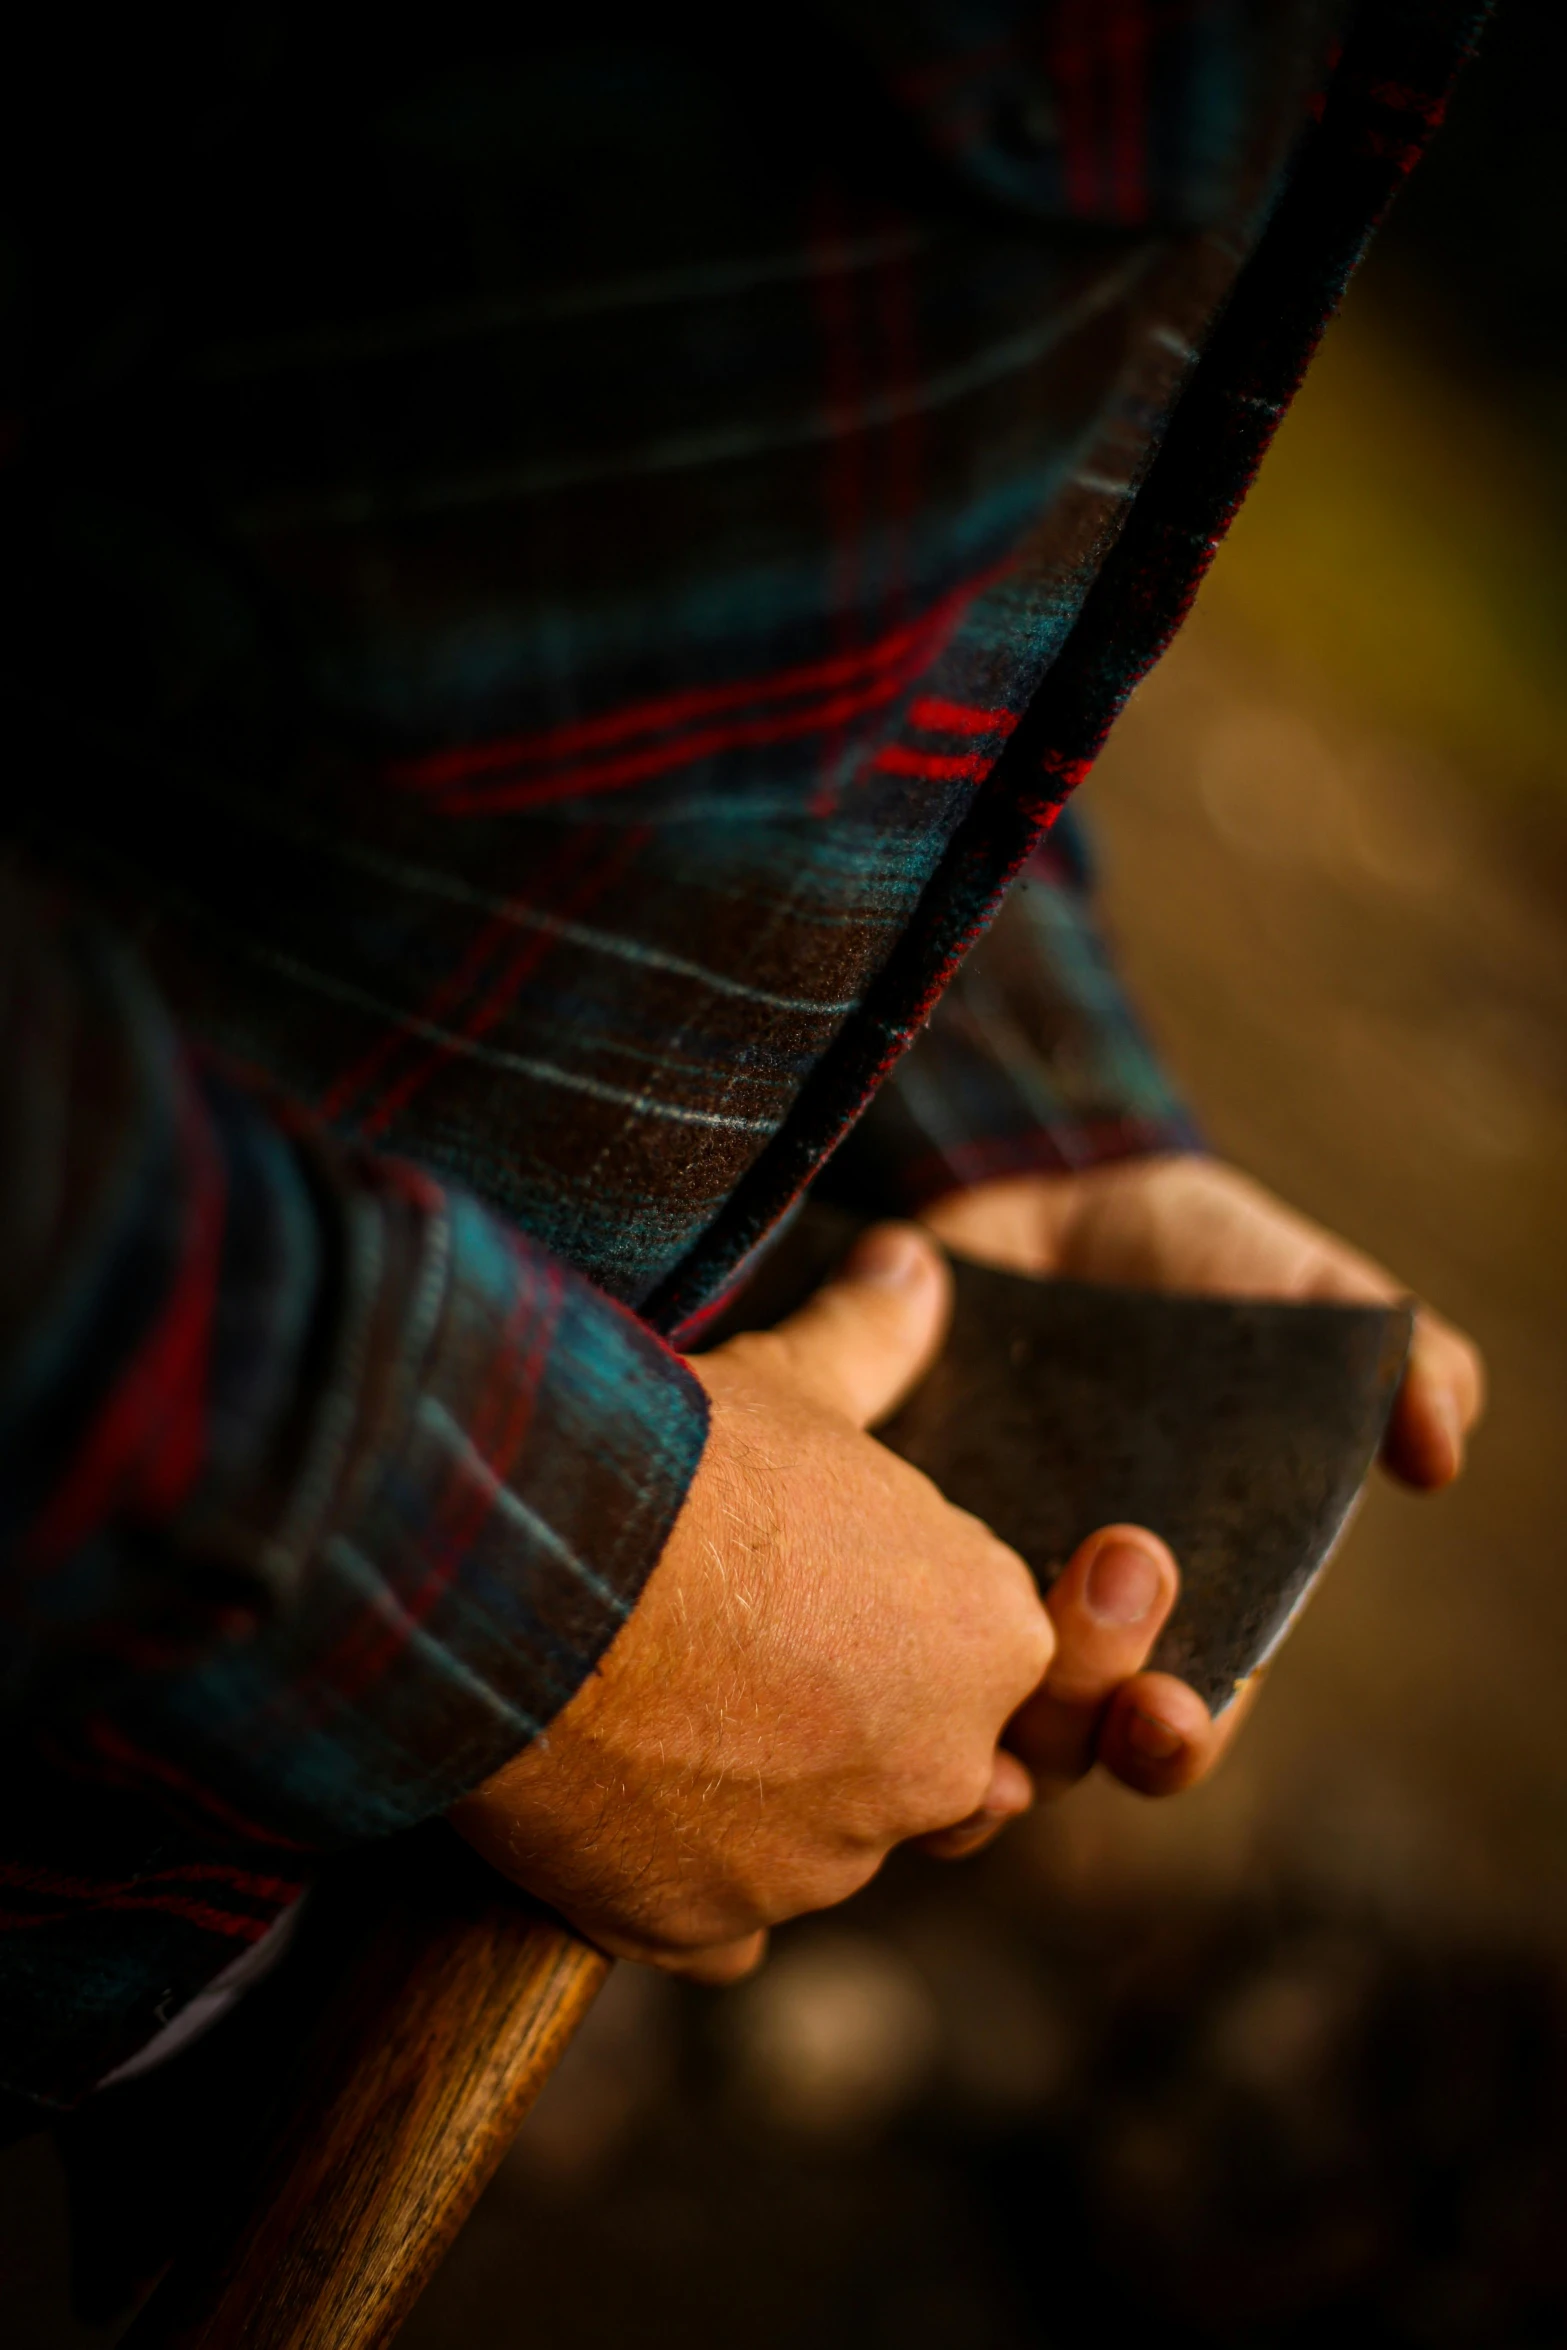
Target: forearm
point(321, 1483)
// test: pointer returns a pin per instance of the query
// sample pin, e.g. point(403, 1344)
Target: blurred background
point(1291, 2055)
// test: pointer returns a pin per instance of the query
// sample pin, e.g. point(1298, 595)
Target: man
point(554, 580)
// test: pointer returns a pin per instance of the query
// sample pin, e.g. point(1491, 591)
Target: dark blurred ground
point(1285, 2062)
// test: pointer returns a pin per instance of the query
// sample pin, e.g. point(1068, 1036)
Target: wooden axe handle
point(450, 2001)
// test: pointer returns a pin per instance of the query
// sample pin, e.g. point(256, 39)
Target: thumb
point(866, 1338)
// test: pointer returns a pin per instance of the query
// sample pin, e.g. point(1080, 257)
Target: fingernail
point(1122, 1585)
point(890, 1259)
point(1150, 1737)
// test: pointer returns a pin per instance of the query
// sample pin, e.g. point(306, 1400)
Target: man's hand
point(824, 1661)
point(1192, 1223)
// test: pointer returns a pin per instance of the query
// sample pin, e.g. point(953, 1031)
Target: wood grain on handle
point(450, 2000)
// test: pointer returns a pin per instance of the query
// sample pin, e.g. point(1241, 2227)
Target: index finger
point(1108, 1607)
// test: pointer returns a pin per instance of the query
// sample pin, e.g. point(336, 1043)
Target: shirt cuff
point(323, 1486)
point(497, 1455)
point(1034, 1062)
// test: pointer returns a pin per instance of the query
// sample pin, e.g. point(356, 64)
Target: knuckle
point(954, 1789)
point(975, 1533)
point(975, 1783)
point(846, 1877)
point(740, 1963)
point(663, 1961)
point(982, 1552)
point(1036, 1645)
point(674, 1931)
point(1026, 1641)
point(1011, 1572)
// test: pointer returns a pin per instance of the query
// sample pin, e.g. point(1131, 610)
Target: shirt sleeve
point(1034, 1062)
point(319, 1482)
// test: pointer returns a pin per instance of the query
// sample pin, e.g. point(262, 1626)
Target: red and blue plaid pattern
point(1033, 1062)
point(553, 585)
point(324, 1488)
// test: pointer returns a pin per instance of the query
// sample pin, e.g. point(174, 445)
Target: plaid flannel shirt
point(551, 585)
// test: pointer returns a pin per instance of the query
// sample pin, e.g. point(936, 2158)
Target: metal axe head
point(1242, 1430)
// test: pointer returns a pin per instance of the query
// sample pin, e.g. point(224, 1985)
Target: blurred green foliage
point(1407, 539)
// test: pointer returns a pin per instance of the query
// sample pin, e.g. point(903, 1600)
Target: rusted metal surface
point(1240, 1429)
